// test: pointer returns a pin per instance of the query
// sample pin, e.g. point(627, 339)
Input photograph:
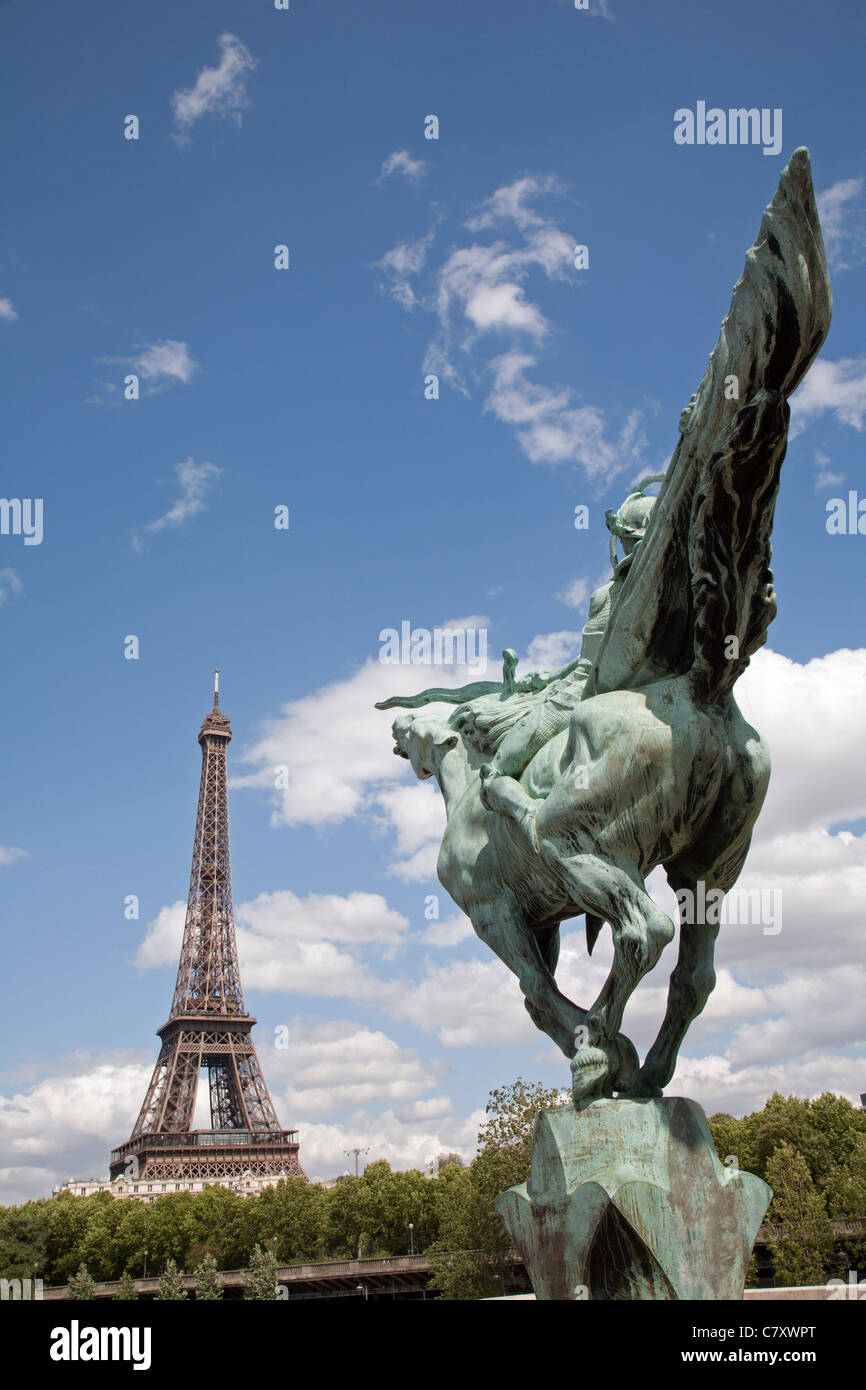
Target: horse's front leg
point(506, 932)
point(606, 1059)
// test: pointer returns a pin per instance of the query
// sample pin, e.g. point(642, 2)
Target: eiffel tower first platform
point(208, 1027)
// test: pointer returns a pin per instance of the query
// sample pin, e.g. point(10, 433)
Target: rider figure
point(550, 713)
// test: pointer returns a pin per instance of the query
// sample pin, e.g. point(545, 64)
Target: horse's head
point(423, 738)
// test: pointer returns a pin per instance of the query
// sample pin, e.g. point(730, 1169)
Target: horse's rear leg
point(691, 986)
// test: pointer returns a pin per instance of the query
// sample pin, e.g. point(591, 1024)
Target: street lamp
point(411, 1238)
point(145, 1264)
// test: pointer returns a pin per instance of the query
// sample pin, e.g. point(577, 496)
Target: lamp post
point(145, 1265)
point(356, 1152)
point(411, 1238)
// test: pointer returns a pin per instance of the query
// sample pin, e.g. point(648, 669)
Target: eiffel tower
point(208, 1026)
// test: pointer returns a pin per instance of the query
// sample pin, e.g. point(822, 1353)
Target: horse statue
point(565, 790)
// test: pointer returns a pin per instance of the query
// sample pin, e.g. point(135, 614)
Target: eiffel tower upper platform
point(208, 1026)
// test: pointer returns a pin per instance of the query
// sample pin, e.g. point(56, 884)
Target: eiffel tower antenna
point(208, 1026)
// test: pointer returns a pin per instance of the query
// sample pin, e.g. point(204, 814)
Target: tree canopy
point(451, 1215)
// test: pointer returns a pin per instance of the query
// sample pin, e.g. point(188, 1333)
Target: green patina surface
point(628, 1200)
point(564, 790)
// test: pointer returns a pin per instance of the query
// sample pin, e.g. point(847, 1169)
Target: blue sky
point(305, 387)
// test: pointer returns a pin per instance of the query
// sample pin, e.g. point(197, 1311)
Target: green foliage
point(452, 1215)
point(126, 1290)
point(23, 1239)
point(846, 1201)
point(81, 1284)
point(209, 1285)
point(260, 1280)
point(370, 1215)
point(800, 1237)
point(469, 1258)
point(824, 1131)
point(170, 1288)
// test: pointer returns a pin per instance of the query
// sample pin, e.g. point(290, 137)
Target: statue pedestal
point(628, 1200)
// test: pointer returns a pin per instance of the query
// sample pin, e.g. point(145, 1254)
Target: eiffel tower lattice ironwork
point(208, 1026)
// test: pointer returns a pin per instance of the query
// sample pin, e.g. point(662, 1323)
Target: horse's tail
point(733, 598)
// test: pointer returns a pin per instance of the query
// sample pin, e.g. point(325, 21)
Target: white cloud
point(549, 650)
point(406, 1141)
point(469, 1003)
point(335, 745)
point(552, 429)
point(403, 163)
point(338, 755)
point(331, 1065)
point(158, 365)
point(162, 940)
point(400, 264)
point(450, 932)
point(503, 306)
point(9, 854)
point(219, 91)
point(839, 387)
point(416, 813)
point(9, 584)
point(576, 594)
point(721, 1084)
point(66, 1124)
point(789, 998)
point(843, 222)
point(814, 718)
point(313, 945)
point(7, 311)
point(480, 295)
point(196, 481)
point(826, 479)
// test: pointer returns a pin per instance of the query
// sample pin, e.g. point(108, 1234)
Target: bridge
point(392, 1277)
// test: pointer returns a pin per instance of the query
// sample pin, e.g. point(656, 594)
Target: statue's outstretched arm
point(448, 695)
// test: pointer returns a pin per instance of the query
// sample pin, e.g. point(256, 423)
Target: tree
point(24, 1238)
point(788, 1120)
point(442, 1160)
point(296, 1212)
point(260, 1279)
point(800, 1238)
point(82, 1285)
point(170, 1287)
point(208, 1284)
point(469, 1259)
point(126, 1289)
point(846, 1201)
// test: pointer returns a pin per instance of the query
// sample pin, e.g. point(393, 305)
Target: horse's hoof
point(643, 1088)
point(590, 1070)
point(599, 1069)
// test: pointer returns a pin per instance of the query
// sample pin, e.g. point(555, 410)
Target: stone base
point(627, 1199)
